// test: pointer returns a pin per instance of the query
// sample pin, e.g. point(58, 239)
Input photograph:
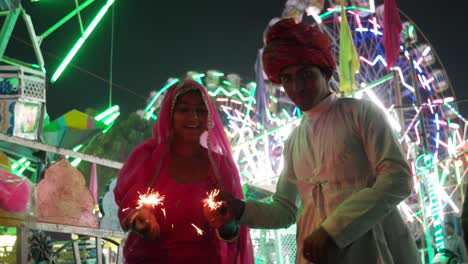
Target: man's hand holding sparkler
point(223, 210)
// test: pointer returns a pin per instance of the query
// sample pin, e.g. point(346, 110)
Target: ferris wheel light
point(392, 120)
point(454, 125)
point(448, 99)
point(372, 6)
point(426, 51)
point(312, 11)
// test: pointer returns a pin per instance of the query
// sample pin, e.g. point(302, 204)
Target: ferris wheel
point(396, 91)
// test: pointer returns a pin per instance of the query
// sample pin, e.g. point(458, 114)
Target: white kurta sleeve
point(282, 211)
point(463, 251)
point(393, 181)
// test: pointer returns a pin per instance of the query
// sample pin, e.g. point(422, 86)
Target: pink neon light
point(428, 81)
point(239, 113)
point(442, 143)
point(236, 101)
point(249, 107)
point(357, 18)
point(418, 140)
point(419, 61)
point(377, 59)
point(425, 83)
point(374, 22)
point(411, 123)
point(430, 106)
point(365, 60)
point(226, 107)
point(442, 122)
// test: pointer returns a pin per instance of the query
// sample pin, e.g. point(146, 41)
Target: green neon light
point(23, 168)
point(445, 173)
point(107, 112)
point(230, 94)
point(424, 158)
point(77, 147)
point(149, 114)
point(245, 90)
point(374, 83)
point(411, 31)
point(435, 209)
point(65, 19)
point(75, 162)
point(81, 40)
point(219, 74)
point(17, 163)
point(160, 92)
point(200, 75)
point(337, 9)
point(112, 118)
point(273, 99)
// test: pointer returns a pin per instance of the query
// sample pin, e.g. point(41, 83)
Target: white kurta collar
point(321, 107)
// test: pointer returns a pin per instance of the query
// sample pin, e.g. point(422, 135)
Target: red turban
point(288, 43)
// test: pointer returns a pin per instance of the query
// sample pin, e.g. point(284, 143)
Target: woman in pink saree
point(187, 157)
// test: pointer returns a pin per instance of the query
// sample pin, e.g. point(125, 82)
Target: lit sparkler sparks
point(199, 231)
point(210, 200)
point(150, 198)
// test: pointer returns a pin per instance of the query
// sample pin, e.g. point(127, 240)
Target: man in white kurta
point(343, 168)
point(346, 166)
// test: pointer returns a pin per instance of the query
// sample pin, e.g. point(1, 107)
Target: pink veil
point(140, 167)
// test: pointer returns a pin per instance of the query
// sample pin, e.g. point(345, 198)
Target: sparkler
point(199, 231)
point(164, 212)
point(210, 200)
point(150, 198)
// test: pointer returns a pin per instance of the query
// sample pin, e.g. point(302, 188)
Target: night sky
point(154, 40)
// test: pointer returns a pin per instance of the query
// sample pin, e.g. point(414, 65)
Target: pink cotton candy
point(14, 192)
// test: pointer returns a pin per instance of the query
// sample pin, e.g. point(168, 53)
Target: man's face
point(449, 230)
point(305, 85)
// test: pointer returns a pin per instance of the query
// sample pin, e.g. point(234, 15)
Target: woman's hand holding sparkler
point(144, 223)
